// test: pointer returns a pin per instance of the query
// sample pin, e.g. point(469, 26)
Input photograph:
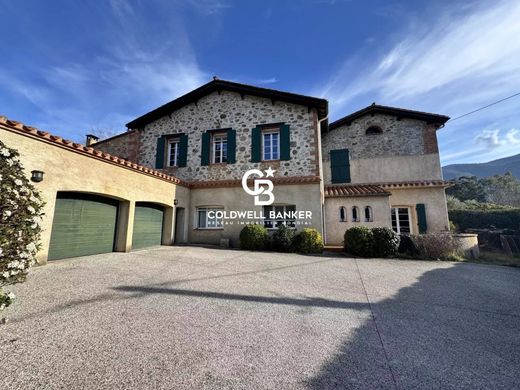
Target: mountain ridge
point(490, 168)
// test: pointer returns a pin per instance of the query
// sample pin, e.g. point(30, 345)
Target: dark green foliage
point(359, 241)
point(282, 240)
point(386, 242)
point(407, 246)
point(485, 219)
point(467, 188)
point(254, 237)
point(308, 241)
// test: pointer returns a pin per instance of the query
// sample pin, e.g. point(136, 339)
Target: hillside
point(495, 167)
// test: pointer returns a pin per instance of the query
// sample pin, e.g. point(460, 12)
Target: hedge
point(485, 219)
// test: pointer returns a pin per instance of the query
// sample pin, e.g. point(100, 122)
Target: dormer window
point(373, 130)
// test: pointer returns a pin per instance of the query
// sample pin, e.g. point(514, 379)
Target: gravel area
point(200, 318)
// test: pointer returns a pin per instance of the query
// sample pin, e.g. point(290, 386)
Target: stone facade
point(125, 145)
point(241, 113)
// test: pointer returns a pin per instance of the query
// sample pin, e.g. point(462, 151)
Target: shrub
point(407, 246)
point(435, 246)
point(386, 242)
point(254, 237)
point(20, 218)
point(486, 219)
point(283, 238)
point(308, 241)
point(359, 241)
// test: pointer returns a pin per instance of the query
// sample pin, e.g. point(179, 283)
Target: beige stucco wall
point(391, 169)
point(335, 229)
point(305, 197)
point(434, 200)
point(66, 170)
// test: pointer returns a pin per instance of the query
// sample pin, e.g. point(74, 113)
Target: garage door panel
point(82, 225)
point(148, 223)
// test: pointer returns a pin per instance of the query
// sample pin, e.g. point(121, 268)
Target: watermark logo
point(259, 188)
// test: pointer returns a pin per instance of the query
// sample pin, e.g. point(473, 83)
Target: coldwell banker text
point(251, 214)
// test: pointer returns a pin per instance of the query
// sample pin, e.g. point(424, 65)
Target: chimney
point(91, 139)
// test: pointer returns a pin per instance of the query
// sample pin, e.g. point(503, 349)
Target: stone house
point(376, 167)
point(200, 167)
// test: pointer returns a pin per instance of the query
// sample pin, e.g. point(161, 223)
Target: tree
point(20, 219)
point(467, 188)
point(502, 189)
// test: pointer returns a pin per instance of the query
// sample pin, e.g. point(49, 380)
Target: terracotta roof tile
point(79, 148)
point(347, 190)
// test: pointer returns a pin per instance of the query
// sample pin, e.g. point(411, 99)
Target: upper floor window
point(173, 152)
point(368, 214)
point(342, 214)
point(219, 150)
point(355, 214)
point(374, 130)
point(271, 144)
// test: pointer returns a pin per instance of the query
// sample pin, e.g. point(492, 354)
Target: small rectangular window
point(271, 145)
point(219, 149)
point(283, 215)
point(208, 218)
point(173, 152)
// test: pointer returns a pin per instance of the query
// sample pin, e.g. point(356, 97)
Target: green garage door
point(148, 224)
point(83, 225)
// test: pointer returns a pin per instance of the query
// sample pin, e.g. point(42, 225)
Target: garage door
point(82, 225)
point(148, 224)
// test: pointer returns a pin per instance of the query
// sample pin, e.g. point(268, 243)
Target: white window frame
point(370, 214)
point(219, 139)
point(219, 223)
point(175, 143)
point(397, 223)
point(343, 210)
point(277, 222)
point(271, 156)
point(358, 217)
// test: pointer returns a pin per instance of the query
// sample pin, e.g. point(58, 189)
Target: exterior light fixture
point(175, 202)
point(37, 176)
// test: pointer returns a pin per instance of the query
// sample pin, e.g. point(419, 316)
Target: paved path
point(198, 318)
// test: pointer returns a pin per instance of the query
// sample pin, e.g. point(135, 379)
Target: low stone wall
point(468, 245)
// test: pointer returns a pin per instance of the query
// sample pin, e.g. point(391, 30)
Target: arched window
point(342, 215)
point(355, 214)
point(368, 214)
point(372, 130)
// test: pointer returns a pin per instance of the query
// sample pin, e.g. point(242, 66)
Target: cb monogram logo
point(258, 188)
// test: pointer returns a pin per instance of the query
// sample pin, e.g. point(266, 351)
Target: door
point(148, 225)
point(83, 224)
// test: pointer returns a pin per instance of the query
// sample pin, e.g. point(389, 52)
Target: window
point(271, 145)
point(342, 215)
point(282, 216)
point(368, 214)
point(372, 130)
point(207, 218)
point(401, 220)
point(355, 214)
point(173, 152)
point(219, 149)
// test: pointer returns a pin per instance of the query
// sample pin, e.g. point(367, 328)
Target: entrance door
point(401, 221)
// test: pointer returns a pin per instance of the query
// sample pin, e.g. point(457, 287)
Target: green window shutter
point(205, 147)
point(256, 144)
point(420, 208)
point(285, 143)
point(340, 166)
point(159, 153)
point(231, 146)
point(183, 150)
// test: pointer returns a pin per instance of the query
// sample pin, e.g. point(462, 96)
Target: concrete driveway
point(198, 318)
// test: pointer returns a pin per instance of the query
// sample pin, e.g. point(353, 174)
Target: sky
point(76, 67)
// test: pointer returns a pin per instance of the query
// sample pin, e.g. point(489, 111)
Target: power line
point(481, 108)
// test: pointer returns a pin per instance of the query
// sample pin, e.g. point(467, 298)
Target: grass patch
point(496, 258)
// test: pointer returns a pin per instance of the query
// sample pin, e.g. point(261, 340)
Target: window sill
point(217, 164)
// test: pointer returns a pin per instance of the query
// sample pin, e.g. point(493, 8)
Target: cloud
point(493, 139)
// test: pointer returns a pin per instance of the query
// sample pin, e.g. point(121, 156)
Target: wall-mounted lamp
point(175, 202)
point(37, 176)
